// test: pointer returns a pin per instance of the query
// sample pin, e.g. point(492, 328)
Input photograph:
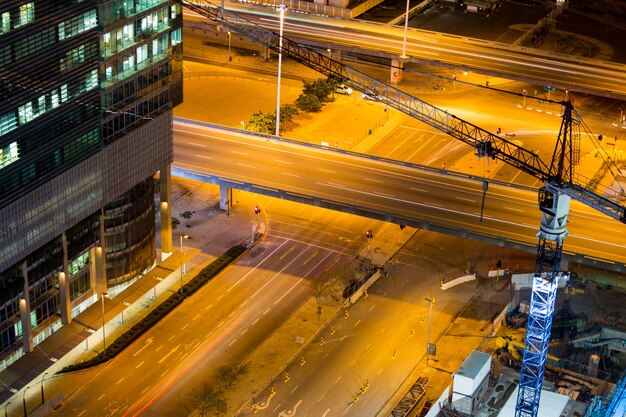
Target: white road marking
point(203, 156)
point(255, 267)
point(244, 331)
point(120, 381)
point(101, 397)
point(326, 170)
point(266, 311)
point(338, 378)
point(159, 348)
point(514, 209)
point(234, 340)
point(184, 327)
point(140, 363)
point(418, 190)
point(372, 307)
point(163, 374)
point(83, 412)
point(383, 194)
point(356, 324)
point(372, 180)
point(246, 165)
point(294, 388)
point(171, 338)
point(240, 153)
point(222, 322)
point(145, 389)
point(283, 162)
point(465, 199)
point(202, 145)
point(254, 322)
point(289, 174)
point(197, 315)
point(220, 297)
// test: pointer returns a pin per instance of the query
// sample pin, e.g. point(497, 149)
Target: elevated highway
point(490, 58)
point(387, 190)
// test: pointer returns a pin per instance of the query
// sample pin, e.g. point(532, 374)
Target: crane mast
point(554, 196)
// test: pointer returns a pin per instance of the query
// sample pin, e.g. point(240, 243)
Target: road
point(220, 325)
point(509, 213)
point(501, 60)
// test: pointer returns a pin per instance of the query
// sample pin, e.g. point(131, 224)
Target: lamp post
point(24, 402)
point(42, 397)
point(181, 261)
point(5, 409)
point(406, 28)
point(104, 340)
point(430, 319)
point(281, 8)
point(229, 39)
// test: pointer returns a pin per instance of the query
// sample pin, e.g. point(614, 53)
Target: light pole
point(181, 261)
point(42, 397)
point(24, 402)
point(104, 342)
point(229, 39)
point(5, 409)
point(406, 28)
point(281, 8)
point(430, 319)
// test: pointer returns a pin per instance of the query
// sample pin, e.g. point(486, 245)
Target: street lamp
point(229, 38)
point(181, 261)
point(42, 397)
point(104, 343)
point(24, 402)
point(406, 27)
point(430, 319)
point(5, 409)
point(282, 9)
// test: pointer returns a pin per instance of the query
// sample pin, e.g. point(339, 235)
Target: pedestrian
point(443, 166)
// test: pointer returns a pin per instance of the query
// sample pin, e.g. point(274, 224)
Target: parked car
point(343, 89)
point(370, 97)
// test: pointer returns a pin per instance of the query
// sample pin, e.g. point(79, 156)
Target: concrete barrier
point(457, 281)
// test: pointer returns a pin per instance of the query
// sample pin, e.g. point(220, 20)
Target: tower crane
point(554, 197)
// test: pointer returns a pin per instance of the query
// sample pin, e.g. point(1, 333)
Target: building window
point(27, 14)
point(7, 123)
point(8, 154)
point(78, 24)
point(5, 22)
point(177, 37)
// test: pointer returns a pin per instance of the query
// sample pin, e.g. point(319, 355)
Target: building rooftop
point(473, 364)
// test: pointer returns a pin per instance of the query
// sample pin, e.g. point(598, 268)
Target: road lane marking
point(321, 398)
point(514, 209)
point(332, 184)
point(289, 174)
point(418, 190)
point(239, 153)
point(169, 353)
point(266, 311)
point(159, 348)
point(145, 389)
point(234, 340)
point(372, 180)
point(246, 165)
point(255, 267)
point(283, 162)
point(338, 378)
point(197, 315)
point(140, 363)
point(220, 297)
point(83, 412)
point(294, 388)
point(244, 303)
point(202, 145)
point(327, 170)
point(203, 156)
point(222, 322)
point(311, 257)
point(120, 381)
point(244, 331)
point(171, 338)
point(383, 194)
point(305, 275)
point(254, 322)
point(372, 307)
point(356, 324)
point(326, 413)
point(101, 397)
point(291, 249)
point(465, 199)
point(184, 327)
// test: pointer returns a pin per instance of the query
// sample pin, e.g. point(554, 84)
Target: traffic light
point(257, 209)
point(369, 234)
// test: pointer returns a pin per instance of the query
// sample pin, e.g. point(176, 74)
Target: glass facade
point(84, 79)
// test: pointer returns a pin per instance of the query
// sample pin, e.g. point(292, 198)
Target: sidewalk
point(82, 339)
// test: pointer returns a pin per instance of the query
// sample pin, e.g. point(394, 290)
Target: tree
point(320, 88)
point(175, 222)
point(187, 215)
point(262, 123)
point(287, 111)
point(309, 103)
point(228, 375)
point(203, 399)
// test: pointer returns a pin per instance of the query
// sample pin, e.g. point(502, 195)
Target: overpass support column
point(226, 198)
point(264, 53)
point(64, 287)
point(396, 71)
point(165, 185)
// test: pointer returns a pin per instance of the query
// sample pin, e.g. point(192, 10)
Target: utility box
point(471, 382)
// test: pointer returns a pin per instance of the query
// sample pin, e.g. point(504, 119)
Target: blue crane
point(554, 197)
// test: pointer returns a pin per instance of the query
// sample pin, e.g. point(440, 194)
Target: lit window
point(5, 24)
point(8, 154)
point(7, 123)
point(176, 37)
point(27, 14)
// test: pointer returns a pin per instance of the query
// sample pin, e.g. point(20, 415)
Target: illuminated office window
point(5, 22)
point(8, 154)
point(7, 123)
point(27, 14)
point(177, 37)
